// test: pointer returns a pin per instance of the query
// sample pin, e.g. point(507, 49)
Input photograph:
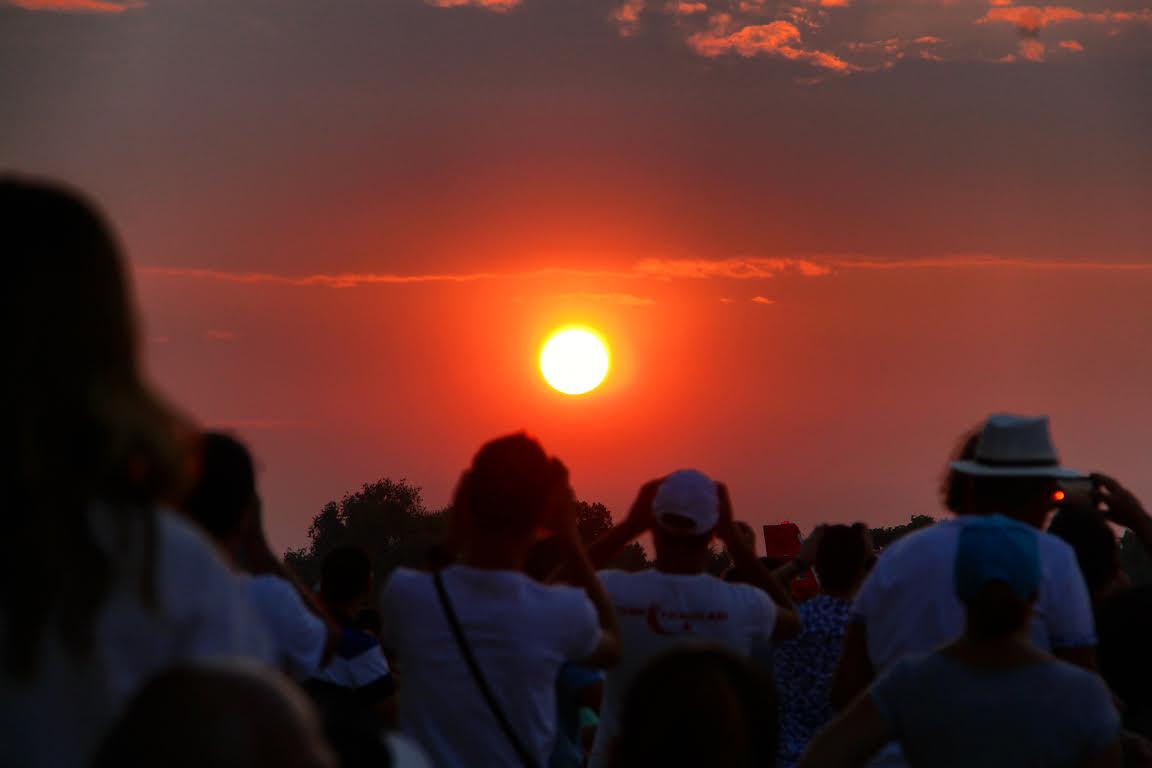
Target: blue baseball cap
point(995, 548)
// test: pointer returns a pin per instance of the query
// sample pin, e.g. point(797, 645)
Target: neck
point(492, 554)
point(681, 563)
point(1012, 649)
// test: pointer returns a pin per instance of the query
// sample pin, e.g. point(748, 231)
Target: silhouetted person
point(698, 706)
point(991, 698)
point(225, 503)
point(679, 602)
point(1123, 612)
point(223, 716)
point(355, 690)
point(99, 587)
point(803, 667)
point(519, 632)
point(907, 604)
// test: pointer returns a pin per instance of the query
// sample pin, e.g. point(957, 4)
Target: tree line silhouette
point(389, 520)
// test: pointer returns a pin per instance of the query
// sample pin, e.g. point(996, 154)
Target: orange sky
point(823, 238)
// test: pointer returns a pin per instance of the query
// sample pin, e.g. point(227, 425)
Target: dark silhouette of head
point(1090, 536)
point(82, 424)
point(954, 485)
point(224, 494)
point(842, 559)
point(508, 488)
point(226, 716)
point(698, 706)
point(346, 580)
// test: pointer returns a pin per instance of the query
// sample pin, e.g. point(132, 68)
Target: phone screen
point(781, 541)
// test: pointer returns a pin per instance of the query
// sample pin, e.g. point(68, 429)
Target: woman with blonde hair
point(100, 586)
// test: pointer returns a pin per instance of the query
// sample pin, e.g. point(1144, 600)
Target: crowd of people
point(144, 619)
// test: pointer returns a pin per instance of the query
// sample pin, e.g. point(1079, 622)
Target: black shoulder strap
point(477, 675)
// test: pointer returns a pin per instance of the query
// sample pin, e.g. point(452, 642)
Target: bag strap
point(477, 675)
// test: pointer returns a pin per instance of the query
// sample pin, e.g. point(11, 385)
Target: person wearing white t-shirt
point(100, 586)
point(225, 503)
point(678, 602)
point(908, 604)
point(520, 632)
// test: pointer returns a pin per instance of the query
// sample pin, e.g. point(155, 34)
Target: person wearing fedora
point(908, 605)
point(678, 603)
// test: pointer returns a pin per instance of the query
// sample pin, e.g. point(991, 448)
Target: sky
point(823, 238)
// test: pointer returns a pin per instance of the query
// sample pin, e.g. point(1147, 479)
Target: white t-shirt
point(521, 632)
point(658, 611)
point(908, 603)
point(357, 663)
point(201, 612)
point(297, 634)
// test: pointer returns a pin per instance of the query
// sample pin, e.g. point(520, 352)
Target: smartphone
point(1076, 492)
point(781, 541)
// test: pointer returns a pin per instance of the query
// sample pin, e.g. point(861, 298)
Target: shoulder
point(186, 555)
point(404, 580)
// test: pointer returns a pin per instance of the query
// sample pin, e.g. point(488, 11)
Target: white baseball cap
point(691, 497)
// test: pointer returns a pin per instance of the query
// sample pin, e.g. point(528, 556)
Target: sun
point(574, 360)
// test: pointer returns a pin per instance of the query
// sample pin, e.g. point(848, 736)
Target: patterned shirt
point(803, 669)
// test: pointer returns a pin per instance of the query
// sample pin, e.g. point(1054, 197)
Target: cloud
point(76, 6)
point(686, 8)
point(1031, 49)
point(727, 300)
point(779, 39)
point(732, 269)
point(979, 261)
point(497, 6)
point(762, 300)
point(220, 336)
point(627, 16)
point(250, 425)
point(1030, 19)
point(1071, 45)
point(614, 299)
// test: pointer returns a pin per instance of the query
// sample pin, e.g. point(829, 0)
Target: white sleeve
point(760, 611)
point(298, 634)
point(207, 604)
point(581, 625)
point(1068, 606)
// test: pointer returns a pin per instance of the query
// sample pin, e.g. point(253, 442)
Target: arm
point(804, 559)
point(1123, 508)
point(756, 574)
point(637, 523)
point(581, 573)
point(854, 671)
point(851, 739)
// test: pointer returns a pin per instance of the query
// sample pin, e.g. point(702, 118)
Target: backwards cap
point(691, 497)
point(995, 548)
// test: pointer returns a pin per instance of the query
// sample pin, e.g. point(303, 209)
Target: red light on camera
point(1059, 496)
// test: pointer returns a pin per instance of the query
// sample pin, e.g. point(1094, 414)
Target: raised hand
point(640, 517)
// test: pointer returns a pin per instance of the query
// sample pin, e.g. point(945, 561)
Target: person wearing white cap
point(678, 602)
point(908, 605)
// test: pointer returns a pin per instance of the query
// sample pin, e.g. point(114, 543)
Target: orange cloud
point(980, 261)
point(627, 16)
point(1030, 19)
point(77, 6)
point(777, 38)
point(762, 300)
point(614, 299)
point(498, 6)
point(1031, 49)
point(736, 269)
point(1071, 45)
point(686, 8)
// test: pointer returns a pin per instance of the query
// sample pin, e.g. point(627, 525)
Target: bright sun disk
point(574, 361)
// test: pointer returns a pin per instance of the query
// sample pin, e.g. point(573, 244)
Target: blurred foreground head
point(224, 494)
point(508, 488)
point(82, 425)
point(698, 706)
point(225, 716)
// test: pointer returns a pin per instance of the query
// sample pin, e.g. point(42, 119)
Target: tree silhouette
point(386, 518)
point(883, 537)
